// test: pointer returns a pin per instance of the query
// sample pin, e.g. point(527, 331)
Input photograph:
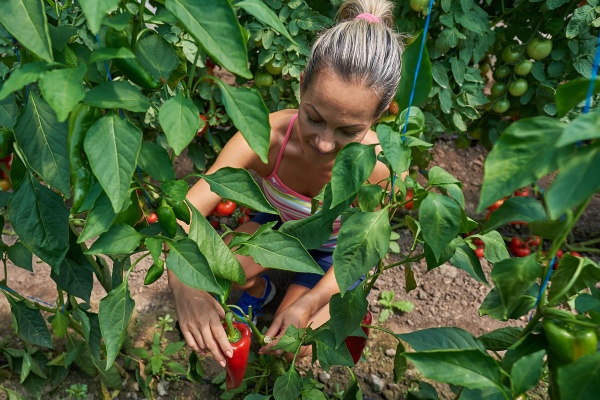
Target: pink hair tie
point(368, 17)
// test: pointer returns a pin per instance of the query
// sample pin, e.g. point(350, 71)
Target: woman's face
point(333, 113)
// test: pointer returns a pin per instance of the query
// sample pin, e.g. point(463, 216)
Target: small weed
point(389, 305)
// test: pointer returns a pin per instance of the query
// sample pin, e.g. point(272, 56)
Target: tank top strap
point(282, 149)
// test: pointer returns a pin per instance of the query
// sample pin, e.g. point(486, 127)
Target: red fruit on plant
point(575, 254)
point(409, 196)
point(394, 108)
point(356, 344)
point(496, 205)
point(534, 241)
point(214, 223)
point(210, 63)
point(152, 218)
point(204, 128)
point(243, 219)
point(559, 254)
point(479, 252)
point(478, 242)
point(521, 251)
point(523, 192)
point(226, 208)
point(239, 336)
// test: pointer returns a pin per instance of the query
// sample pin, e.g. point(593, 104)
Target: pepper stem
point(233, 333)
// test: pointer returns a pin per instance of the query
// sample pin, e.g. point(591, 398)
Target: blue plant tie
point(414, 86)
point(543, 287)
point(29, 297)
point(594, 75)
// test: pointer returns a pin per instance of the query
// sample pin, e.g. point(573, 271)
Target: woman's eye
point(351, 134)
point(312, 121)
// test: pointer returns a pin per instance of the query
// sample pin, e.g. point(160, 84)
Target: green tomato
point(510, 54)
point(502, 71)
point(518, 88)
point(523, 68)
point(476, 133)
point(539, 48)
point(419, 5)
point(484, 69)
point(498, 89)
point(501, 105)
point(275, 70)
point(263, 79)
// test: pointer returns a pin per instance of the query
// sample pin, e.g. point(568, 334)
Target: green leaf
point(438, 177)
point(492, 305)
point(352, 391)
point(120, 239)
point(524, 152)
point(191, 267)
point(264, 14)
point(76, 274)
point(104, 54)
point(513, 277)
point(238, 185)
point(180, 120)
point(31, 326)
point(329, 351)
point(156, 55)
point(249, 114)
point(584, 272)
point(369, 197)
point(109, 373)
point(60, 323)
point(580, 172)
point(220, 259)
point(410, 58)
point(570, 94)
point(114, 315)
point(112, 146)
point(26, 21)
point(395, 150)
point(352, 167)
point(465, 367)
point(63, 89)
point(8, 110)
point(12, 395)
point(288, 386)
point(41, 220)
point(347, 313)
point(44, 142)
point(500, 339)
point(363, 240)
point(176, 189)
point(95, 11)
point(440, 218)
point(466, 259)
point(495, 248)
point(99, 219)
point(117, 94)
point(518, 208)
point(276, 250)
point(526, 372)
point(584, 127)
point(580, 379)
point(21, 256)
point(91, 330)
point(445, 338)
point(216, 29)
point(154, 160)
point(22, 76)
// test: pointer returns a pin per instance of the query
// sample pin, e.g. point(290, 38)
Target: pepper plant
point(64, 62)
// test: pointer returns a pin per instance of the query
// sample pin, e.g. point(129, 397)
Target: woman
point(350, 80)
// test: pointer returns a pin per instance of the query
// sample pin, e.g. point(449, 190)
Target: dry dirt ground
point(445, 296)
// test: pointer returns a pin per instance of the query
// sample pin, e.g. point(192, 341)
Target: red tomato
point(523, 192)
point(204, 128)
point(478, 242)
point(534, 241)
point(243, 219)
point(226, 208)
point(215, 223)
point(521, 251)
point(496, 205)
point(479, 251)
point(152, 218)
point(409, 196)
point(559, 254)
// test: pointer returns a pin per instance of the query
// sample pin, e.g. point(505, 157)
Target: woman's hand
point(199, 315)
point(298, 314)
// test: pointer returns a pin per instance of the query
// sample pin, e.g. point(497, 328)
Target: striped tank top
point(291, 204)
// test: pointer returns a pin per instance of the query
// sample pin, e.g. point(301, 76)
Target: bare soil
point(445, 296)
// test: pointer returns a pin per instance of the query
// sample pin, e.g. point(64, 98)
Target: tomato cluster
point(522, 192)
point(228, 208)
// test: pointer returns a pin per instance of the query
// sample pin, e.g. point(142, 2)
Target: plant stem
point(405, 261)
point(138, 23)
point(192, 72)
point(381, 329)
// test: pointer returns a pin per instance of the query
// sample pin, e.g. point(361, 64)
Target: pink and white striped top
point(291, 204)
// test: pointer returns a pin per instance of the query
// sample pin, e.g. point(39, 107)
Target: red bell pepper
point(356, 344)
point(239, 337)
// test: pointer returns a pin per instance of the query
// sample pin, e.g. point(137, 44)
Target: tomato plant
point(510, 54)
point(523, 68)
point(152, 218)
point(539, 48)
point(518, 87)
point(419, 5)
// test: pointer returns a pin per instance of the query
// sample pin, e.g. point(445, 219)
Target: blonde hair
point(361, 51)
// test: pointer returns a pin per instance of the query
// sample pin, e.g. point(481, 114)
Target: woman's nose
point(325, 143)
